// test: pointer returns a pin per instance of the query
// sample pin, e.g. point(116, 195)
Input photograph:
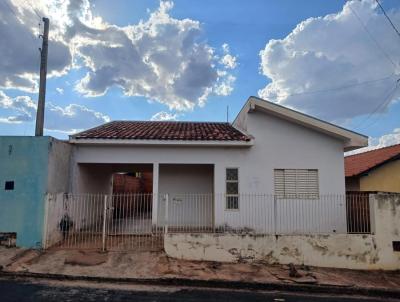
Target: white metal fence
point(98, 221)
point(129, 221)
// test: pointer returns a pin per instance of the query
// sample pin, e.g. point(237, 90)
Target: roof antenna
point(227, 113)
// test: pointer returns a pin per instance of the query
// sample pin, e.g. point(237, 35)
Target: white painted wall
point(278, 144)
point(190, 189)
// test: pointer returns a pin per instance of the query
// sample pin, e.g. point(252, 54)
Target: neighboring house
point(204, 168)
point(375, 170)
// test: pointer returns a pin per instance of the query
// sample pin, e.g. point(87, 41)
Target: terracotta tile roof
point(164, 130)
point(362, 162)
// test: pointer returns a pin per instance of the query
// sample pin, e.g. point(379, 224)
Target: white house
point(216, 173)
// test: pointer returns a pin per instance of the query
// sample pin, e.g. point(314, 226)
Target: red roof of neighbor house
point(164, 130)
point(362, 162)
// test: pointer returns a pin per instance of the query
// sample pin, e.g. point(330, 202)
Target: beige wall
point(353, 251)
point(385, 178)
point(59, 166)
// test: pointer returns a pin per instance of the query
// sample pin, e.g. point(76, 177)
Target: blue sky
point(348, 53)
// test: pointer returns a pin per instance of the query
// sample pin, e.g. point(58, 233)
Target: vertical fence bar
point(104, 223)
point(275, 209)
point(166, 214)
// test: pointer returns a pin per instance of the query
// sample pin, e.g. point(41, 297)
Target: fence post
point(166, 214)
point(46, 220)
point(104, 223)
point(275, 215)
point(372, 213)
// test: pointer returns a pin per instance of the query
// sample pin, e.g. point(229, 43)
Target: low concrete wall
point(362, 251)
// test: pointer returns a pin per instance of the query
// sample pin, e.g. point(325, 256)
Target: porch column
point(219, 190)
point(155, 193)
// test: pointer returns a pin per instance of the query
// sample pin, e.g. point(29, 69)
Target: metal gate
point(97, 221)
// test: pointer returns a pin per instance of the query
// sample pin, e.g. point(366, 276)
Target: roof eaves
point(165, 142)
point(372, 150)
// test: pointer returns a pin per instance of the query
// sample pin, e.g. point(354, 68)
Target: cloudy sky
point(189, 60)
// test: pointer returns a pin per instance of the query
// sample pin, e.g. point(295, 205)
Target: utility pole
point(42, 83)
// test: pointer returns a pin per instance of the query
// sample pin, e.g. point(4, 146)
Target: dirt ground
point(8, 255)
point(157, 264)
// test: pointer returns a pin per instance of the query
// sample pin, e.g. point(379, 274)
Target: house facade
point(269, 149)
point(375, 170)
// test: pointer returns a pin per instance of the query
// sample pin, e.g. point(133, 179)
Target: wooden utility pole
point(42, 83)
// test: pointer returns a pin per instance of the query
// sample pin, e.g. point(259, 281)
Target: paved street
point(20, 291)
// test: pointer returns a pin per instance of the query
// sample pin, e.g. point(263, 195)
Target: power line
point(10, 8)
point(34, 10)
point(387, 17)
point(372, 37)
point(337, 88)
point(385, 102)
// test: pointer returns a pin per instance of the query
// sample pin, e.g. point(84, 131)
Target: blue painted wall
point(24, 160)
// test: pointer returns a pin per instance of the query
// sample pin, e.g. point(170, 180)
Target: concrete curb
point(212, 283)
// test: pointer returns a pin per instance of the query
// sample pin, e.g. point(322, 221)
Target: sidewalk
point(156, 267)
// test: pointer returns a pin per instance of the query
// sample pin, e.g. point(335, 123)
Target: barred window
point(296, 183)
point(232, 189)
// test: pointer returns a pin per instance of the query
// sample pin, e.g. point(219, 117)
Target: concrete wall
point(37, 165)
point(385, 178)
point(190, 189)
point(363, 251)
point(23, 160)
point(58, 180)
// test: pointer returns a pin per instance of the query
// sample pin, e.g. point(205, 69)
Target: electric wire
point(380, 106)
point(372, 37)
point(10, 8)
point(387, 17)
point(33, 9)
point(336, 88)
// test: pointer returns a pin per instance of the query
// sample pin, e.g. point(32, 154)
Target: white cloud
point(334, 51)
point(19, 31)
point(228, 61)
point(164, 116)
point(60, 90)
point(385, 140)
point(162, 58)
point(225, 83)
point(66, 119)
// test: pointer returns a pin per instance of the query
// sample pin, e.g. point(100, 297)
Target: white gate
point(98, 221)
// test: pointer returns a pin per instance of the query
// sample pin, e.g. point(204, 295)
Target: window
point(232, 189)
point(9, 185)
point(296, 183)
